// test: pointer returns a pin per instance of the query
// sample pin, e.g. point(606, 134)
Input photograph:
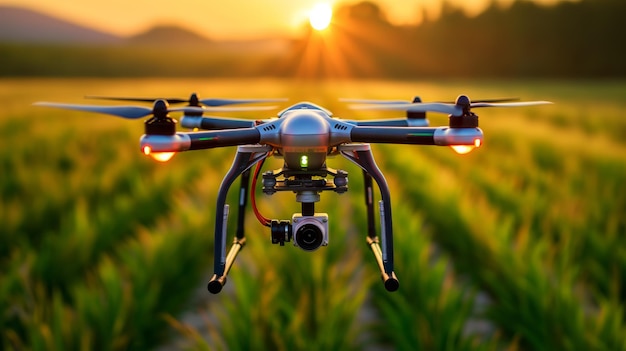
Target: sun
point(320, 16)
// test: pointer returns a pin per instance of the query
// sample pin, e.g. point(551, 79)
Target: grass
point(518, 245)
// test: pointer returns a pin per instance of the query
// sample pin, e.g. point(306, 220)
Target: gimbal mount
point(307, 187)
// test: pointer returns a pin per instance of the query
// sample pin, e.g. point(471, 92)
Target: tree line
point(568, 40)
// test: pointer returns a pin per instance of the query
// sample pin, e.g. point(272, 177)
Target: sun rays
point(339, 50)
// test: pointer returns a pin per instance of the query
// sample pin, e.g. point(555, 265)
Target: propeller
point(160, 109)
point(460, 107)
point(195, 101)
point(416, 100)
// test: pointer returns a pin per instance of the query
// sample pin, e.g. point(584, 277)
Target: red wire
point(264, 221)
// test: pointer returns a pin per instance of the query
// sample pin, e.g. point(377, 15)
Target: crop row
point(517, 245)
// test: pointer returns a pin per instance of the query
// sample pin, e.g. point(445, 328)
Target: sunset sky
point(233, 19)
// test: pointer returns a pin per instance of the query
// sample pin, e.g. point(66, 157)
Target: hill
point(27, 26)
point(170, 35)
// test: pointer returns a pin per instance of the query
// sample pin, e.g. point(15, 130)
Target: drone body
point(303, 135)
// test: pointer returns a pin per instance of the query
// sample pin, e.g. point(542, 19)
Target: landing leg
point(243, 200)
point(369, 204)
point(361, 155)
point(247, 156)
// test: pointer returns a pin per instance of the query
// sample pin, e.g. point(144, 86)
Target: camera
point(310, 232)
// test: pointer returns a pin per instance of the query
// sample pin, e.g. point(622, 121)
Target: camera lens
point(309, 237)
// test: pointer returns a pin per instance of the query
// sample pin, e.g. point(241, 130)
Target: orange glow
point(462, 149)
point(162, 156)
point(466, 149)
point(158, 156)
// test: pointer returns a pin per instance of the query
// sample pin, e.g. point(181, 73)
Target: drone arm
point(199, 140)
point(396, 122)
point(393, 135)
point(214, 123)
point(221, 138)
point(418, 136)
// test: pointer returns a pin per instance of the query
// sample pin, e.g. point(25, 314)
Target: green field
point(519, 245)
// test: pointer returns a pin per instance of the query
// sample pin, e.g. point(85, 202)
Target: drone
point(304, 135)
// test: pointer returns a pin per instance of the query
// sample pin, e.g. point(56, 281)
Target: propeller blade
point(451, 109)
point(494, 100)
point(239, 108)
point(135, 99)
point(510, 104)
point(201, 109)
point(222, 102)
point(373, 101)
point(413, 107)
point(390, 102)
point(484, 100)
point(214, 102)
point(135, 112)
point(130, 112)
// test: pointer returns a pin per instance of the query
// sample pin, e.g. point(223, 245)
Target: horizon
point(227, 21)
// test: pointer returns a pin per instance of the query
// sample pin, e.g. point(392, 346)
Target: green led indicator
point(304, 161)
